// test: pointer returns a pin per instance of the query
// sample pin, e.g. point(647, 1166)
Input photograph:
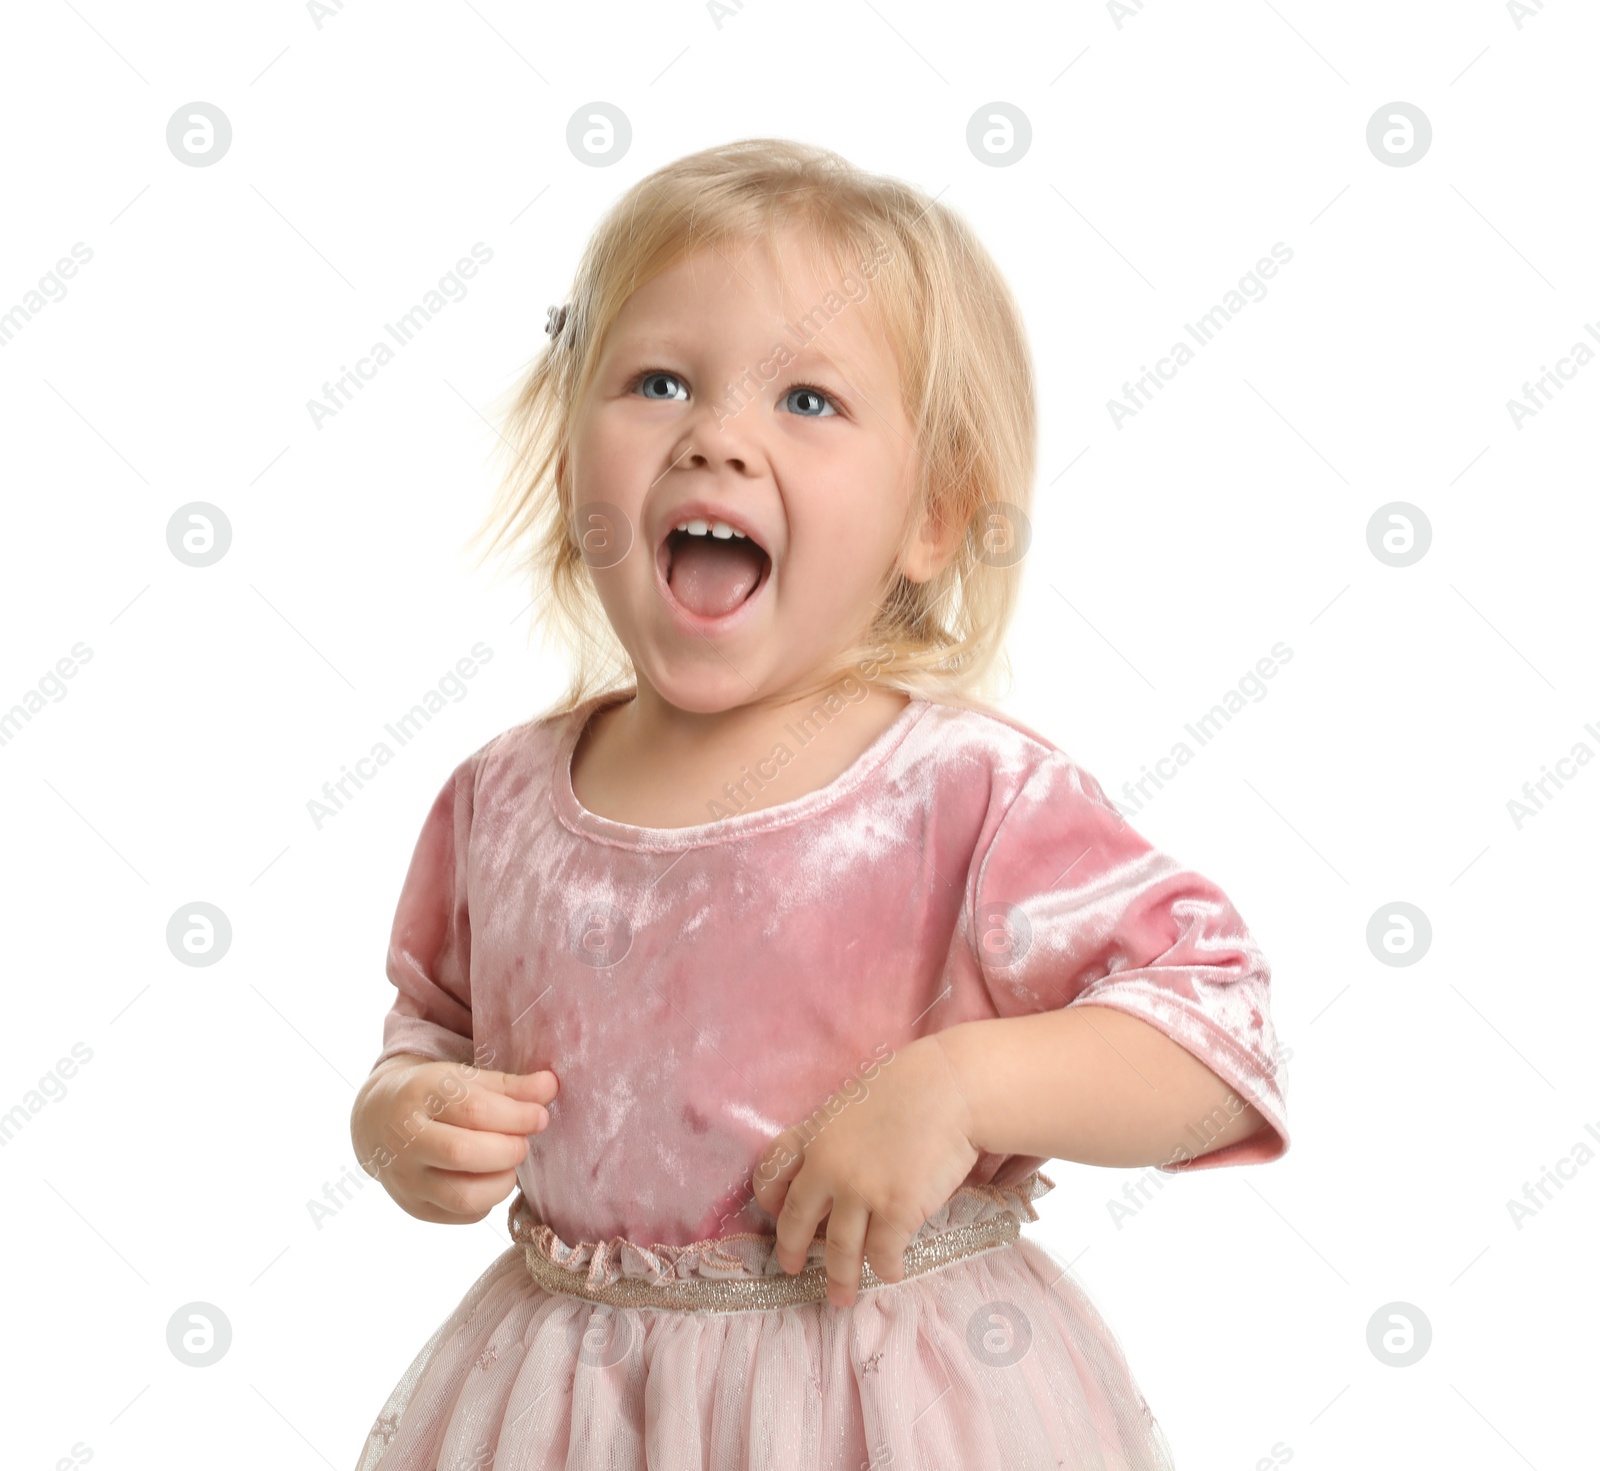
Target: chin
point(702, 691)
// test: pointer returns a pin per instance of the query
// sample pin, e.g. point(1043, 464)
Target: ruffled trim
point(747, 1254)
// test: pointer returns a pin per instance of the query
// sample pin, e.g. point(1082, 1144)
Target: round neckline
point(579, 819)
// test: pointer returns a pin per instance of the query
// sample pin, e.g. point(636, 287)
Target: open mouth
point(711, 576)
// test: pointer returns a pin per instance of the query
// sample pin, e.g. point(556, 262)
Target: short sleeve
point(430, 942)
point(1073, 906)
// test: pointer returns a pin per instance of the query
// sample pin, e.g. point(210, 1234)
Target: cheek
point(839, 557)
point(858, 511)
point(606, 466)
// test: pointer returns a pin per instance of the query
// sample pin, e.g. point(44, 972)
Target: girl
point(771, 966)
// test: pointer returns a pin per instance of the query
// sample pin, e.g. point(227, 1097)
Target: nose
point(734, 462)
point(715, 437)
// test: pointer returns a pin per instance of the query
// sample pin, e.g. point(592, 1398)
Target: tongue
point(711, 575)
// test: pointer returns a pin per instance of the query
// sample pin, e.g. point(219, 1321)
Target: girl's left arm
point(1091, 1084)
point(1131, 1017)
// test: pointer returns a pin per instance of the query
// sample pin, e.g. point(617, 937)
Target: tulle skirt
point(996, 1361)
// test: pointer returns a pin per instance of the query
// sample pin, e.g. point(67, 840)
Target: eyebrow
point(800, 357)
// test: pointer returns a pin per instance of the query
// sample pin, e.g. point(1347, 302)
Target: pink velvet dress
point(696, 990)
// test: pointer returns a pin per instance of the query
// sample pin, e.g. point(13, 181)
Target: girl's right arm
point(445, 1138)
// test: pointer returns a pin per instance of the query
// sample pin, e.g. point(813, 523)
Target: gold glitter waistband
point(745, 1294)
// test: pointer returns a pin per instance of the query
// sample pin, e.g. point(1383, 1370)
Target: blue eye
point(655, 378)
point(658, 385)
point(821, 399)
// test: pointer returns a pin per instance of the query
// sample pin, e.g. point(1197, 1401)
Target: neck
point(650, 721)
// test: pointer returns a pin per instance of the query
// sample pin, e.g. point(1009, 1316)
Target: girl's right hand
point(445, 1139)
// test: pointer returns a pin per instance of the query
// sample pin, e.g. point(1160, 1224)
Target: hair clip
point(555, 320)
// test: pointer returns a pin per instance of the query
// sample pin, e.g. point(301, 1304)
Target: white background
point(1168, 155)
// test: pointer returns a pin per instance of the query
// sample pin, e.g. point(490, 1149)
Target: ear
point(935, 544)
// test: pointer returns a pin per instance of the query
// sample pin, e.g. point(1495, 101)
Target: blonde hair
point(966, 381)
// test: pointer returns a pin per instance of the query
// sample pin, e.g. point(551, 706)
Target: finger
point(802, 1211)
point(886, 1248)
point(477, 1106)
point(780, 1162)
point(541, 1086)
point(467, 1195)
point(444, 1146)
point(847, 1234)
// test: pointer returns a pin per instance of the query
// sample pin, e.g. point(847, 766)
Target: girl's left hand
point(884, 1159)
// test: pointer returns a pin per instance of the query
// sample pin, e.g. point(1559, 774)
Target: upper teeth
point(719, 529)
